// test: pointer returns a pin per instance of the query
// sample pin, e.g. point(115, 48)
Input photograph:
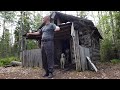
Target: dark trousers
point(47, 50)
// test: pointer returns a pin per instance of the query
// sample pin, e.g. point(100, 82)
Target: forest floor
point(105, 71)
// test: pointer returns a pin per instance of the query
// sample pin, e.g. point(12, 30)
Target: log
point(14, 64)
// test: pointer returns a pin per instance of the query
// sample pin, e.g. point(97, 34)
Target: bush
point(106, 50)
point(115, 61)
point(6, 61)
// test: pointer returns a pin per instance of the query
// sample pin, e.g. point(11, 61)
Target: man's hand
point(57, 28)
point(27, 34)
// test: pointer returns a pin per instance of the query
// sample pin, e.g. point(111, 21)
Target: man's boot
point(46, 74)
point(50, 75)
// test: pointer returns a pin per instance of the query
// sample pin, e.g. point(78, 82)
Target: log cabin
point(79, 35)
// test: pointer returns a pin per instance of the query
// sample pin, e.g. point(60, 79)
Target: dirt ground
point(105, 71)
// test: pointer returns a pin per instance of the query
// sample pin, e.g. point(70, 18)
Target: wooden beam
point(58, 21)
point(76, 47)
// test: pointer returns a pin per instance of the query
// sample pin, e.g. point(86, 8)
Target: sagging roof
point(78, 22)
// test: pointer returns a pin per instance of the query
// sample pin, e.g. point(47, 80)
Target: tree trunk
point(112, 26)
point(3, 45)
point(20, 34)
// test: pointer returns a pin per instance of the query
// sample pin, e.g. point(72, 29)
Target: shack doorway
point(62, 44)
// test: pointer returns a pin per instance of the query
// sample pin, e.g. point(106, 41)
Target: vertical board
point(83, 53)
point(74, 34)
point(87, 53)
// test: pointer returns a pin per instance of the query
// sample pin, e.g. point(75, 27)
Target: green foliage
point(115, 61)
point(105, 51)
point(36, 22)
point(8, 16)
point(31, 44)
point(109, 23)
point(6, 61)
point(30, 20)
point(5, 44)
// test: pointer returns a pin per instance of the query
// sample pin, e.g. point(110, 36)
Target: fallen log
point(14, 64)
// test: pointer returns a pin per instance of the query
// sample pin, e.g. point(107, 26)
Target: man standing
point(47, 45)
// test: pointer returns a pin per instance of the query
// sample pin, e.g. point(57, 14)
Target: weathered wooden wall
point(95, 49)
point(88, 39)
point(83, 53)
point(32, 58)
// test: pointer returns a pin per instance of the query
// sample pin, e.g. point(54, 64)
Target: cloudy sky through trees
point(92, 15)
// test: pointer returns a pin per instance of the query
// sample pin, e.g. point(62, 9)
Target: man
point(47, 45)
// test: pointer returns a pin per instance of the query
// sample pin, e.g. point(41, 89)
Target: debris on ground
point(105, 71)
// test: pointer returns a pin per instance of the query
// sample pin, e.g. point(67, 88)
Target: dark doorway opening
point(66, 47)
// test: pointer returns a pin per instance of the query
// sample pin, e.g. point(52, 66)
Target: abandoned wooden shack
point(79, 35)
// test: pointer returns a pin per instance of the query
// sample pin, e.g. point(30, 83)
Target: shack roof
point(78, 23)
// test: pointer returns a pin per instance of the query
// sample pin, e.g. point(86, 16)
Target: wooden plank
point(29, 60)
point(24, 52)
point(36, 58)
point(93, 66)
point(32, 59)
point(24, 58)
point(78, 50)
point(40, 59)
point(87, 53)
point(74, 49)
point(38, 54)
point(21, 58)
point(82, 54)
point(74, 34)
